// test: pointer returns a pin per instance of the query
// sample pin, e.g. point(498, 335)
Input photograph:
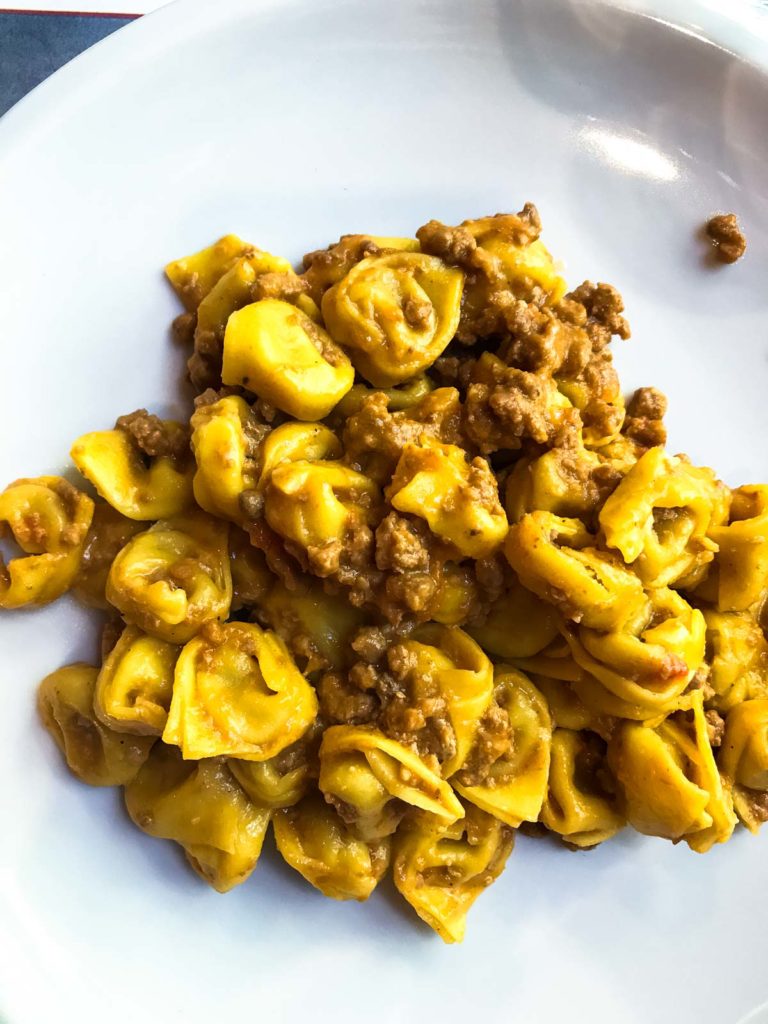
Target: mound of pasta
point(412, 576)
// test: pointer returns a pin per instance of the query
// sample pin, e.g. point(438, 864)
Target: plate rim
point(741, 30)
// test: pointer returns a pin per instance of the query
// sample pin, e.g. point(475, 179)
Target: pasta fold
point(48, 519)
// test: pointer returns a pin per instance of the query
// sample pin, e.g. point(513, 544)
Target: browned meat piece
point(374, 438)
point(644, 420)
point(726, 236)
point(155, 437)
point(506, 406)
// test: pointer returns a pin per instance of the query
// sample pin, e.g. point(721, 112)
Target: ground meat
point(371, 643)
point(453, 371)
point(459, 246)
point(204, 365)
point(715, 728)
point(111, 632)
point(505, 407)
point(155, 437)
point(374, 438)
point(415, 711)
point(412, 591)
point(183, 329)
point(324, 267)
point(275, 285)
point(494, 741)
point(725, 234)
point(604, 307)
point(644, 420)
point(343, 703)
point(757, 802)
point(402, 543)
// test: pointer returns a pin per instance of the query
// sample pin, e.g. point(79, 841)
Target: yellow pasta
point(515, 262)
point(316, 625)
point(238, 693)
point(200, 806)
point(316, 504)
point(174, 577)
point(743, 544)
point(282, 780)
point(108, 533)
point(295, 442)
point(193, 276)
point(640, 670)
point(315, 842)
point(134, 686)
point(118, 470)
point(513, 788)
point(446, 662)
point(459, 499)
point(560, 481)
point(660, 515)
point(556, 559)
point(577, 806)
point(669, 780)
point(518, 625)
point(48, 519)
point(441, 869)
point(743, 760)
point(95, 753)
point(738, 658)
point(396, 313)
point(365, 770)
point(281, 354)
point(222, 438)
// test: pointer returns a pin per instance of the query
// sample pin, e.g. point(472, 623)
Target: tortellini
point(95, 753)
point(738, 658)
point(640, 670)
point(743, 760)
point(193, 276)
point(284, 779)
point(314, 840)
point(110, 531)
point(557, 559)
point(135, 683)
point(200, 806)
point(316, 504)
point(48, 519)
point(660, 515)
point(669, 780)
point(515, 262)
point(441, 869)
point(174, 577)
point(518, 625)
point(238, 693)
point(374, 778)
point(222, 439)
point(743, 549)
point(561, 481)
point(459, 499)
point(578, 807)
point(137, 485)
point(295, 442)
point(444, 662)
point(514, 786)
point(396, 313)
point(281, 354)
point(315, 625)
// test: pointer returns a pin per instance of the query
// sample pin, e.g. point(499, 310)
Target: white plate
point(291, 122)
